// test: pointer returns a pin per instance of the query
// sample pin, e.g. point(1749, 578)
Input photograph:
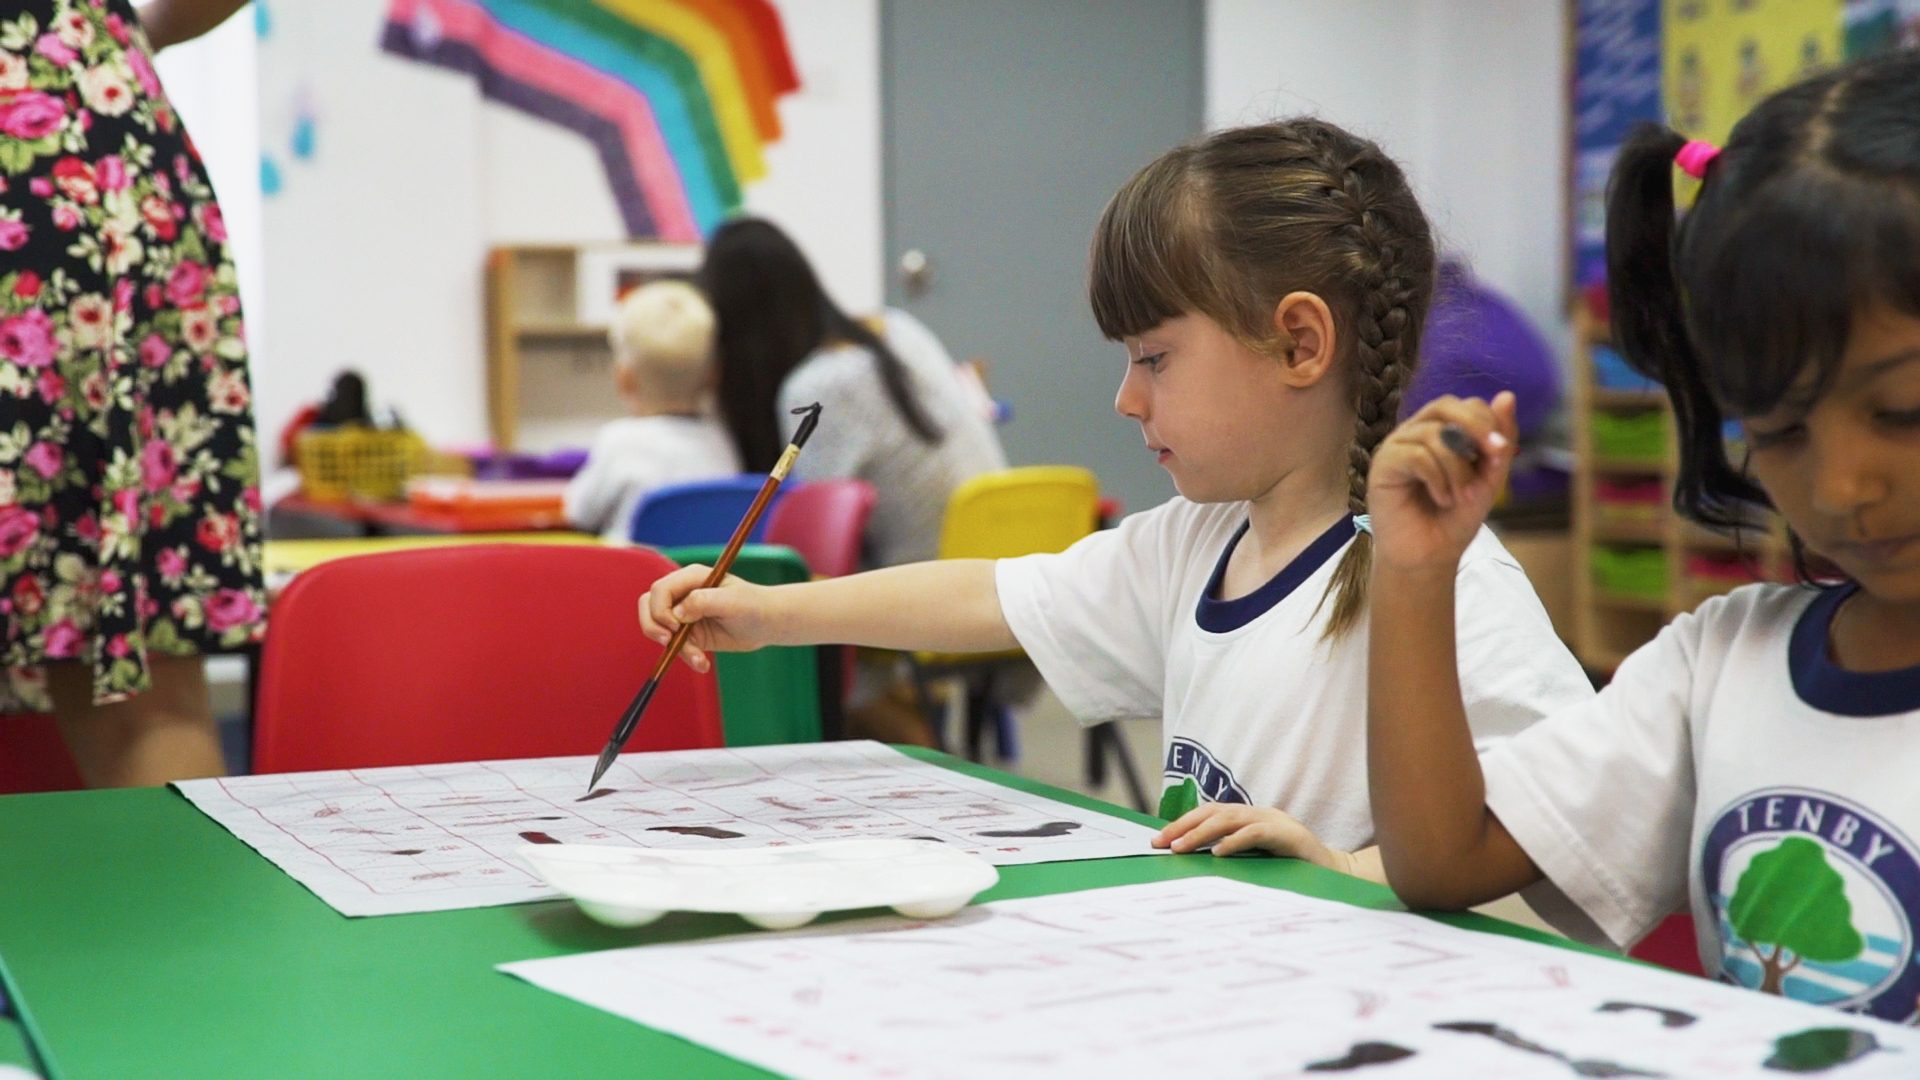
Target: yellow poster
point(1720, 57)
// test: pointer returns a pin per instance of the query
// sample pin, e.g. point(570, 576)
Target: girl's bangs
point(1148, 262)
point(1772, 299)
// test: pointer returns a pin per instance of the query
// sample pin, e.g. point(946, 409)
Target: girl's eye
point(1765, 439)
point(1905, 418)
point(1152, 362)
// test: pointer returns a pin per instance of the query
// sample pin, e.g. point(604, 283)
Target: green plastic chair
point(771, 695)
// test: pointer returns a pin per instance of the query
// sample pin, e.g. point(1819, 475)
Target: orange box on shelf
point(507, 504)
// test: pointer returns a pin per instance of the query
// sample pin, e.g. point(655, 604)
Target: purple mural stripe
point(502, 56)
point(605, 136)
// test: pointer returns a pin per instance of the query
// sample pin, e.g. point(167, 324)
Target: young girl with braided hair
point(1269, 284)
point(1754, 764)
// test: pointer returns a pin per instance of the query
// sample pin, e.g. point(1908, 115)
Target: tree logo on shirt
point(1193, 776)
point(1815, 899)
point(1791, 900)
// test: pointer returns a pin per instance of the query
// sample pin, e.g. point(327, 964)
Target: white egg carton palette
point(772, 888)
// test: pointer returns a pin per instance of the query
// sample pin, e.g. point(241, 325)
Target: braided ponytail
point(1395, 287)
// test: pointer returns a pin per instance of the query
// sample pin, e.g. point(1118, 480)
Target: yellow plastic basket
point(358, 463)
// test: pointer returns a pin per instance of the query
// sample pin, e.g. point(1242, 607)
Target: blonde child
point(1755, 763)
point(662, 340)
point(1269, 284)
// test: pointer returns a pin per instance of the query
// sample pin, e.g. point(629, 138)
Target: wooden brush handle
point(731, 552)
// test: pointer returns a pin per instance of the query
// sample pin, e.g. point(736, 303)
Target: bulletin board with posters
point(1699, 65)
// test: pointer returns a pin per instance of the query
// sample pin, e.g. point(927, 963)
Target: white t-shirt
point(1256, 707)
point(635, 455)
point(1732, 767)
point(861, 436)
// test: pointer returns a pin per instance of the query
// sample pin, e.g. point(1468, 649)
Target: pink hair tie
point(1694, 158)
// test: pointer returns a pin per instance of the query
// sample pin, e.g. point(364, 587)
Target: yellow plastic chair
point(1009, 513)
point(1000, 515)
point(1038, 508)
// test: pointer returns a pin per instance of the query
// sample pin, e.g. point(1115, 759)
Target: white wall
point(1469, 95)
point(371, 256)
point(823, 182)
point(374, 248)
point(210, 82)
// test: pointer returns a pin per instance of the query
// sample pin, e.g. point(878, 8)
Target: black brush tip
point(806, 426)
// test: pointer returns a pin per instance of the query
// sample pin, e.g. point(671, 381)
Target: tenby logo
point(1188, 760)
point(1815, 898)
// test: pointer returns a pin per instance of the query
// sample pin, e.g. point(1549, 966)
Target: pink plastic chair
point(825, 521)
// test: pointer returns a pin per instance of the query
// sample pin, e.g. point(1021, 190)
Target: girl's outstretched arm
point(949, 605)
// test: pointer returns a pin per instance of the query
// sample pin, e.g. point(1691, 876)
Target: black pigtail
point(1649, 324)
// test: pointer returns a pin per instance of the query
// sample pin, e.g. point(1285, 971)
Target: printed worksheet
point(438, 837)
point(1205, 977)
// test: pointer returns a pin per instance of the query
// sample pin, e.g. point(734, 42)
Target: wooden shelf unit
point(590, 331)
point(1609, 625)
point(1651, 533)
point(549, 382)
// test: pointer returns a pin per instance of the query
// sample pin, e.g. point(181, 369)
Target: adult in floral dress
point(129, 504)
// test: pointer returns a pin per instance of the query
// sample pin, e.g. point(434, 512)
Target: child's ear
point(1304, 322)
point(625, 381)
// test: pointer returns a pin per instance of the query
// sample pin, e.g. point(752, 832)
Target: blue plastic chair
point(701, 512)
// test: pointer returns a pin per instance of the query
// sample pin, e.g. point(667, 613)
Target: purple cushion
point(1478, 344)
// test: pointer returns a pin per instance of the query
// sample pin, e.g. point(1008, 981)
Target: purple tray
point(558, 465)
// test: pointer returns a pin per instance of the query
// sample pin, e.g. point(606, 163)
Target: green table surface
point(139, 938)
point(14, 1049)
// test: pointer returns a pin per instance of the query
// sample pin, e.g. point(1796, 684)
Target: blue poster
point(1616, 85)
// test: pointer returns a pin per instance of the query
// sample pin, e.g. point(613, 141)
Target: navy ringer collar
point(1223, 616)
point(1829, 687)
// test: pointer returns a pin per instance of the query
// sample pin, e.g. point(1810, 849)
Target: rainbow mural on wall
point(677, 96)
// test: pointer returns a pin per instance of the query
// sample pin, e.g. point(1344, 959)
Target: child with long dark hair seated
point(902, 419)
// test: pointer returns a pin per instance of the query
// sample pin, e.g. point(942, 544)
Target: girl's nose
point(1131, 401)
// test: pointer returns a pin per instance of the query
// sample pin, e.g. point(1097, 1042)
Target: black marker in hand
point(1461, 443)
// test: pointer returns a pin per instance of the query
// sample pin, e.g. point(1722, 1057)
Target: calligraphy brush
point(631, 718)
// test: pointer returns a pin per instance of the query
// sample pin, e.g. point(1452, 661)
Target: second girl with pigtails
point(1754, 764)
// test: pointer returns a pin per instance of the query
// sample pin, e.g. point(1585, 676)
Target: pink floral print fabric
point(129, 499)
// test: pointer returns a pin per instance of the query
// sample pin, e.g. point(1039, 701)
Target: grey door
point(1007, 126)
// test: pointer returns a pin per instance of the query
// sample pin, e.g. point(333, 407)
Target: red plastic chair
point(1671, 945)
point(468, 653)
point(33, 756)
point(825, 521)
